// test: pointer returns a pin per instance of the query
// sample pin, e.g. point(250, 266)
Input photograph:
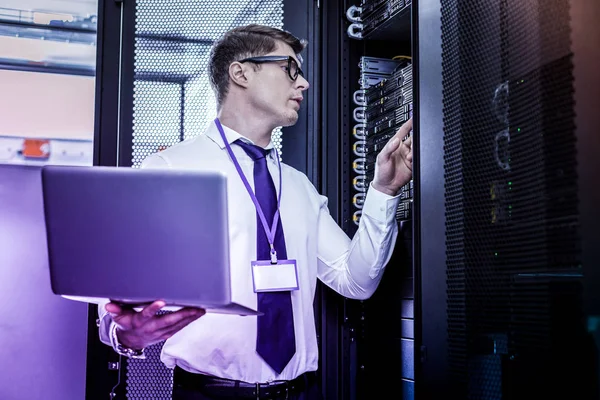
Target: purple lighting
point(42, 336)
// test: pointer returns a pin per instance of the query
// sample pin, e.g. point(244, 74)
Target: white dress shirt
point(224, 345)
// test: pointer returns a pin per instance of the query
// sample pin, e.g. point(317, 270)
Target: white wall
point(46, 105)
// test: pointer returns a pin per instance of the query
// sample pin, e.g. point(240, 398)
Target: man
point(276, 216)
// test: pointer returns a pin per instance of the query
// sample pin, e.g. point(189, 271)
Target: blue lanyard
point(270, 232)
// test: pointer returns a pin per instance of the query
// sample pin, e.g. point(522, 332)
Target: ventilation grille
point(173, 101)
point(149, 379)
point(513, 261)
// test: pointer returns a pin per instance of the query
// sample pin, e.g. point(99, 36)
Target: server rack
point(378, 98)
point(504, 254)
point(500, 241)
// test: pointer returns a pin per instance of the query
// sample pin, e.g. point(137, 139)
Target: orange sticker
point(36, 148)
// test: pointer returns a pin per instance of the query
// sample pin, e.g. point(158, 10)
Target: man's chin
point(290, 119)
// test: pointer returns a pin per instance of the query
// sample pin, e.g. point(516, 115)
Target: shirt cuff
point(380, 206)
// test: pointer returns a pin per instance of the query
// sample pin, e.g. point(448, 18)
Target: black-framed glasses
point(292, 66)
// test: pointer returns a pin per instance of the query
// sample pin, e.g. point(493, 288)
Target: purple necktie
point(275, 341)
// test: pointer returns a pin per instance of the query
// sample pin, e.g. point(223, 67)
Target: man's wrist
point(384, 189)
point(121, 348)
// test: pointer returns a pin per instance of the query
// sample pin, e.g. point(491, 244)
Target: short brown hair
point(243, 42)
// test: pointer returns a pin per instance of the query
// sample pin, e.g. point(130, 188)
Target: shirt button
point(382, 209)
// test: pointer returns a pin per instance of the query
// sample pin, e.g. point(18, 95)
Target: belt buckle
point(287, 388)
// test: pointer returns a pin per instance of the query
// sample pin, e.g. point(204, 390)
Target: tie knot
point(255, 152)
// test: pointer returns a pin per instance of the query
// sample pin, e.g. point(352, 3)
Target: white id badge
point(268, 277)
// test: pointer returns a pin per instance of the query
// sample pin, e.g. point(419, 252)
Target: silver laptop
point(135, 236)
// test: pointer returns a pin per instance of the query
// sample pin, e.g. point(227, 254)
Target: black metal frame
point(108, 76)
point(584, 36)
point(299, 18)
point(585, 33)
point(105, 370)
point(429, 219)
point(339, 317)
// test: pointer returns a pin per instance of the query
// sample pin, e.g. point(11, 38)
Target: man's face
point(273, 93)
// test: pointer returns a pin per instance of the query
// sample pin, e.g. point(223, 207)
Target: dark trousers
point(182, 390)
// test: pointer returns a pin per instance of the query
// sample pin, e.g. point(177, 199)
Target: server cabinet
point(499, 239)
point(505, 252)
point(376, 79)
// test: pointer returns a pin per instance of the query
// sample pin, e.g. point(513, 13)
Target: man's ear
point(238, 73)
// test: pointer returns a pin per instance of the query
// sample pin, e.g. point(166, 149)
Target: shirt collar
point(213, 133)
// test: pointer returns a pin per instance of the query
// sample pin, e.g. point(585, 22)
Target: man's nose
point(302, 83)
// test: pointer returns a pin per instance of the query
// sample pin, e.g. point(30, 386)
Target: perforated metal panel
point(149, 379)
point(173, 101)
point(513, 257)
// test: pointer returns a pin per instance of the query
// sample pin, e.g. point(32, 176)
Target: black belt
point(219, 387)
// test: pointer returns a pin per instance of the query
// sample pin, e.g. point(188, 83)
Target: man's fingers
point(174, 318)
point(170, 330)
point(151, 310)
point(404, 130)
point(395, 142)
point(391, 146)
point(174, 322)
point(403, 150)
point(113, 308)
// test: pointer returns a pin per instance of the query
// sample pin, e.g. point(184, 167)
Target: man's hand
point(393, 168)
point(137, 330)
